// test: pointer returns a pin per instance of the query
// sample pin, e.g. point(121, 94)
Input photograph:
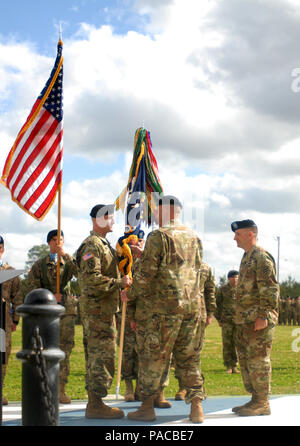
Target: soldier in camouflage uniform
point(208, 288)
point(43, 274)
point(280, 311)
point(100, 283)
point(12, 295)
point(170, 311)
point(293, 312)
point(83, 301)
point(297, 310)
point(130, 356)
point(283, 311)
point(289, 310)
point(224, 314)
point(256, 316)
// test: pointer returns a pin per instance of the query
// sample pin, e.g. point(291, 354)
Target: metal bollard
point(40, 357)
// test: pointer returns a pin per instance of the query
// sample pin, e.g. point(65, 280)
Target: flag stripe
point(37, 173)
point(50, 198)
point(27, 144)
point(29, 200)
point(12, 151)
point(31, 160)
point(30, 163)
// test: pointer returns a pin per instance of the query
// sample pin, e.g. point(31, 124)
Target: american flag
point(33, 168)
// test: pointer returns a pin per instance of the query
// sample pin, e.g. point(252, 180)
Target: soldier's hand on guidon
point(127, 281)
point(136, 250)
point(60, 250)
point(123, 296)
point(58, 297)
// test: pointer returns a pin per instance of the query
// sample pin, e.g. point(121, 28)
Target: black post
point(40, 357)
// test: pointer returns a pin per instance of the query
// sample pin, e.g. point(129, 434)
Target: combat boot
point(261, 407)
point(4, 401)
point(160, 400)
point(229, 370)
point(235, 370)
point(196, 414)
point(180, 395)
point(253, 400)
point(63, 398)
point(129, 395)
point(97, 409)
point(145, 412)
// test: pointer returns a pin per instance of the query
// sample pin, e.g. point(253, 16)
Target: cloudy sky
point(217, 84)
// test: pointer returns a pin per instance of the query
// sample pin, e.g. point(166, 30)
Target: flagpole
point(124, 306)
point(60, 32)
point(58, 238)
point(59, 208)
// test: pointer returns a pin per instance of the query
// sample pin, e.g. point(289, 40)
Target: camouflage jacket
point(99, 276)
point(226, 303)
point(208, 288)
point(257, 289)
point(167, 280)
point(12, 295)
point(40, 278)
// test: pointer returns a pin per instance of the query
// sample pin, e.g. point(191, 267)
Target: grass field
point(285, 366)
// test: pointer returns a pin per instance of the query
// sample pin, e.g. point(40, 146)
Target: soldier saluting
point(256, 316)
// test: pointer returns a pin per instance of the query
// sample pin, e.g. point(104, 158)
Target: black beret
point(232, 273)
point(1, 240)
point(52, 234)
point(242, 224)
point(170, 200)
point(107, 209)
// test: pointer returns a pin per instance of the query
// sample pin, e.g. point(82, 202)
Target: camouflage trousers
point(157, 338)
point(203, 327)
point(8, 343)
point(229, 344)
point(101, 351)
point(129, 369)
point(66, 344)
point(254, 351)
point(285, 318)
point(84, 323)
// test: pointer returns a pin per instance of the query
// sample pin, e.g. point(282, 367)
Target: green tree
point(290, 287)
point(36, 253)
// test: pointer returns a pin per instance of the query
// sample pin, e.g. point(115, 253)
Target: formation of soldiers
point(170, 301)
point(289, 311)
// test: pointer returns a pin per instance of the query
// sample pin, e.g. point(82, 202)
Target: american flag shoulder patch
point(88, 256)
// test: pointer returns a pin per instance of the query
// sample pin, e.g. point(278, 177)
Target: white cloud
point(212, 82)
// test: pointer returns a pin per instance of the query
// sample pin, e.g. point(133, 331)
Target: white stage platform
point(285, 412)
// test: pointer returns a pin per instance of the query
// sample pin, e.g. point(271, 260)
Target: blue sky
point(210, 80)
point(37, 20)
